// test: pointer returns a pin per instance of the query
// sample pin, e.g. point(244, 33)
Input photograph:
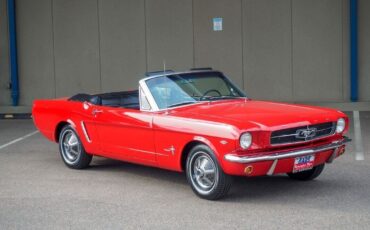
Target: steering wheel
point(210, 91)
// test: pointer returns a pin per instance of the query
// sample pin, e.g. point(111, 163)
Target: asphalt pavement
point(38, 192)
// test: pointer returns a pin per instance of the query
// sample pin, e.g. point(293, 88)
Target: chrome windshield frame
point(153, 104)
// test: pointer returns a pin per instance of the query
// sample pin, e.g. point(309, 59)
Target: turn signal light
point(248, 170)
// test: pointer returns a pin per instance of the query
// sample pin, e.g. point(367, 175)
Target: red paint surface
point(142, 137)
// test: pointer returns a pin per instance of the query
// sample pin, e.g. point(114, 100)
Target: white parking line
point(18, 139)
point(358, 137)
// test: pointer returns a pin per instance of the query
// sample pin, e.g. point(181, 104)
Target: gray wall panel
point(122, 43)
point(364, 50)
point(219, 49)
point(169, 34)
point(317, 50)
point(267, 49)
point(35, 50)
point(5, 98)
point(286, 50)
point(76, 46)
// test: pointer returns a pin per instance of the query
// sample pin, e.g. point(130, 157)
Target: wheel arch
point(58, 129)
point(196, 141)
point(60, 126)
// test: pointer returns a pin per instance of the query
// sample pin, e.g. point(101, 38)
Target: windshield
point(181, 89)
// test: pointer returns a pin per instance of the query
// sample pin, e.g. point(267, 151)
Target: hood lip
point(256, 125)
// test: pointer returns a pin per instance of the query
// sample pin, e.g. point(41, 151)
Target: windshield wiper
point(219, 97)
point(181, 103)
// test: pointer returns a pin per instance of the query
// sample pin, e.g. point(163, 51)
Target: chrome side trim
point(277, 156)
point(85, 132)
point(170, 149)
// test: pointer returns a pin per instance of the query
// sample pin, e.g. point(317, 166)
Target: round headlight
point(245, 140)
point(341, 124)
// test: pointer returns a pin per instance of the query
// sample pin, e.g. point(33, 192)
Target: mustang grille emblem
point(305, 133)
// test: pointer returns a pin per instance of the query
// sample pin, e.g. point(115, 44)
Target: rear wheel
point(72, 150)
point(205, 175)
point(309, 174)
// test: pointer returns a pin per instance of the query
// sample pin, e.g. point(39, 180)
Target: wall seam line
point(7, 37)
point(291, 49)
point(342, 64)
point(192, 22)
point(53, 40)
point(146, 39)
point(242, 37)
point(99, 47)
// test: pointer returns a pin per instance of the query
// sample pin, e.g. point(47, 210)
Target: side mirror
point(86, 105)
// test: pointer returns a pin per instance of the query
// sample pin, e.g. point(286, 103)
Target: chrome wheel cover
point(203, 172)
point(70, 146)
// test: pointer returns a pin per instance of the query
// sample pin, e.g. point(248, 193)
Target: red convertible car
point(196, 121)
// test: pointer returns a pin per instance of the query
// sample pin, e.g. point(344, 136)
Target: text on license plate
point(303, 163)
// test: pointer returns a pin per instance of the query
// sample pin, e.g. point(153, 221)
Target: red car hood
point(260, 115)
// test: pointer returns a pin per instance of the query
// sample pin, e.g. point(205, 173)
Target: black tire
point(73, 154)
point(206, 185)
point(309, 174)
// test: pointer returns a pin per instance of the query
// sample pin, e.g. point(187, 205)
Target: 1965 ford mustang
point(196, 121)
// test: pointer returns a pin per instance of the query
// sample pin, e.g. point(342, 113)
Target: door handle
point(96, 111)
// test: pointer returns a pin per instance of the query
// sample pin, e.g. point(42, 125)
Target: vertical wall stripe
point(99, 44)
point(242, 43)
point(13, 53)
point(343, 97)
point(354, 51)
point(291, 48)
point(146, 39)
point(192, 23)
point(53, 40)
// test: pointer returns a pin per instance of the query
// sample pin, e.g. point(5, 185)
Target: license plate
point(303, 163)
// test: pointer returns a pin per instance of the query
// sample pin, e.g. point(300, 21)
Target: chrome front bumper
point(296, 153)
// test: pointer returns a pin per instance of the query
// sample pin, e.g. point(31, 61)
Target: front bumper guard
point(295, 153)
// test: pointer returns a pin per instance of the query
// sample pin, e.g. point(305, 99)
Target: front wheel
point(205, 175)
point(72, 150)
point(309, 174)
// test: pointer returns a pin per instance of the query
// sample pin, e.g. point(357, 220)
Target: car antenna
point(164, 72)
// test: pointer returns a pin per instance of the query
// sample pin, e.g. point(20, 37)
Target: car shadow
point(106, 164)
point(257, 189)
point(268, 189)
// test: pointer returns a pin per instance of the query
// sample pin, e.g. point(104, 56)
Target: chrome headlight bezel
point(341, 125)
point(245, 140)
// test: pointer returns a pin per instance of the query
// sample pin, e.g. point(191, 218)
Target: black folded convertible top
point(126, 99)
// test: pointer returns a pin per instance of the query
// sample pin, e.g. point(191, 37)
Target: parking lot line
point(17, 140)
point(358, 137)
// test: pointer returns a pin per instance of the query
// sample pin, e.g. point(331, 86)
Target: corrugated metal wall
point(289, 50)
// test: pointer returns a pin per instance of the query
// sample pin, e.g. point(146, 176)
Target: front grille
point(302, 133)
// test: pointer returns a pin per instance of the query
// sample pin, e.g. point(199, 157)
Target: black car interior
point(126, 99)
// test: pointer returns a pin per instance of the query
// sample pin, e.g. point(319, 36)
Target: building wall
point(283, 50)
